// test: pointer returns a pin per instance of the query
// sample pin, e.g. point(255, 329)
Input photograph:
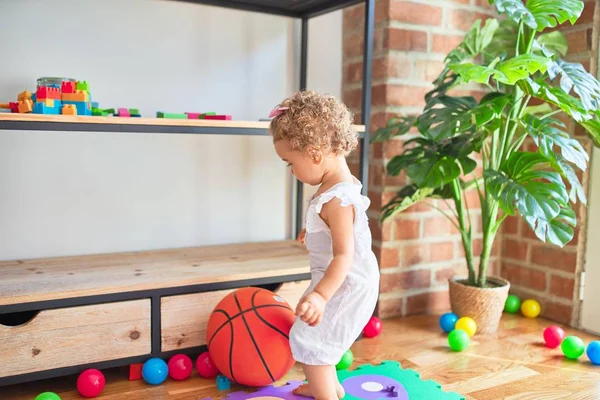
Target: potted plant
point(530, 88)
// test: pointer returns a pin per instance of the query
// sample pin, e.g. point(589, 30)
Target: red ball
point(373, 327)
point(205, 366)
point(248, 336)
point(553, 336)
point(90, 383)
point(180, 367)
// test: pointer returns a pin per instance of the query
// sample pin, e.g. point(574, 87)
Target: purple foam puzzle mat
point(387, 380)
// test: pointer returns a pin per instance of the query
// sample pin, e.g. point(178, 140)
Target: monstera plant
point(530, 92)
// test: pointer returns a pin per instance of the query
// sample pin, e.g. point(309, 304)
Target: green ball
point(458, 340)
point(47, 396)
point(572, 347)
point(512, 304)
point(346, 360)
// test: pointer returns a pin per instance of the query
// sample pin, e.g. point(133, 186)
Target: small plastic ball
point(346, 360)
point(458, 340)
point(180, 367)
point(448, 322)
point(47, 396)
point(512, 304)
point(372, 328)
point(553, 336)
point(593, 352)
point(531, 308)
point(573, 347)
point(155, 371)
point(468, 325)
point(205, 366)
point(90, 383)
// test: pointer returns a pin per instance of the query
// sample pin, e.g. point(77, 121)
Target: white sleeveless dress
point(353, 304)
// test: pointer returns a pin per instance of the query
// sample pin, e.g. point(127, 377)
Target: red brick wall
point(419, 250)
point(537, 270)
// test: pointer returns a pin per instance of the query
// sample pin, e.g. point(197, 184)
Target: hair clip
point(277, 111)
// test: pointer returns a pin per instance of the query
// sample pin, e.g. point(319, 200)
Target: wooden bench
point(59, 316)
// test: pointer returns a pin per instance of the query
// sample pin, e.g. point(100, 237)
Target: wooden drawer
point(184, 317)
point(74, 336)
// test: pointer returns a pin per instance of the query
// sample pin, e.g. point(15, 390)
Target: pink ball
point(553, 336)
point(180, 367)
point(373, 327)
point(90, 383)
point(205, 366)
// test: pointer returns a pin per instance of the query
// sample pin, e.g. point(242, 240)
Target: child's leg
point(322, 383)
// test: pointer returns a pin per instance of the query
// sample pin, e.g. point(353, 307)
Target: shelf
point(41, 122)
point(43, 280)
point(288, 8)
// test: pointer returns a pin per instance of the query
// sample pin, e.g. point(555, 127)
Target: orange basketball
point(248, 336)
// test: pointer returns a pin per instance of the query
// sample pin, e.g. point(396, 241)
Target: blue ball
point(593, 352)
point(155, 371)
point(447, 322)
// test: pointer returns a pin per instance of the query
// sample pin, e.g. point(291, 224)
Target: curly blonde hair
point(318, 120)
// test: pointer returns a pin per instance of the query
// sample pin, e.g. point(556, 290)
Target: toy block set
point(65, 96)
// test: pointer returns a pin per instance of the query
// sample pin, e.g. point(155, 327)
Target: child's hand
point(301, 236)
point(310, 308)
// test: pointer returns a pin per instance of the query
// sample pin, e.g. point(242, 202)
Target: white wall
point(80, 193)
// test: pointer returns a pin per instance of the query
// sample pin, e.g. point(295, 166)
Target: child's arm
point(340, 221)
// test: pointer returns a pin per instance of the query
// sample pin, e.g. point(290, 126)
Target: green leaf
point(575, 77)
point(592, 126)
point(470, 72)
point(541, 14)
point(449, 119)
point(548, 133)
point(395, 127)
point(520, 67)
point(475, 41)
point(433, 171)
point(508, 72)
point(468, 165)
point(557, 231)
point(544, 91)
point(405, 198)
point(550, 13)
point(505, 41)
point(553, 42)
point(517, 11)
point(523, 185)
point(576, 191)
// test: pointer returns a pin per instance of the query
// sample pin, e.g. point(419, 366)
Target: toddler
point(313, 133)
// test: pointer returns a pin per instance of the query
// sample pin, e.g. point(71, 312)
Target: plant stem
point(489, 234)
point(466, 233)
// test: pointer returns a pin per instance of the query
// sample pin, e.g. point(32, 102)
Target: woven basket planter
point(484, 305)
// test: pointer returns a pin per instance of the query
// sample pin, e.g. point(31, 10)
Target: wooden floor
point(512, 364)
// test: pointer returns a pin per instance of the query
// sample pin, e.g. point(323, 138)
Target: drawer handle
point(18, 318)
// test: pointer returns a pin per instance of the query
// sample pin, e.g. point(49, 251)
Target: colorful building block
point(49, 102)
point(79, 95)
point(83, 85)
point(135, 372)
point(14, 107)
point(218, 117)
point(25, 106)
point(24, 96)
point(41, 108)
point(68, 87)
point(161, 114)
point(122, 112)
point(193, 115)
point(48, 93)
point(223, 383)
point(69, 109)
point(5, 105)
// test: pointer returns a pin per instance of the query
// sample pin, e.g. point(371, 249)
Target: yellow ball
point(531, 308)
point(467, 324)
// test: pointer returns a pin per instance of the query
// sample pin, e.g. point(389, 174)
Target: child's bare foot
point(304, 391)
